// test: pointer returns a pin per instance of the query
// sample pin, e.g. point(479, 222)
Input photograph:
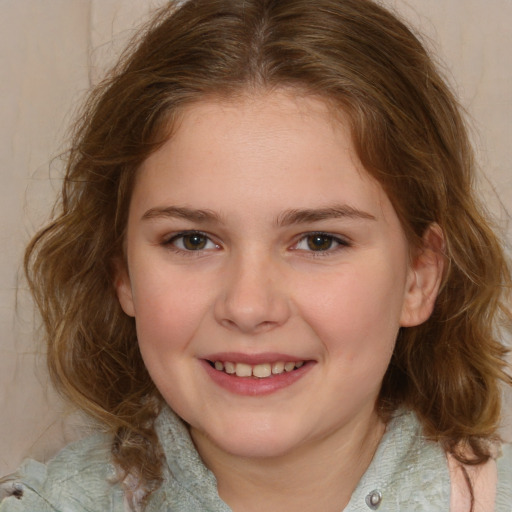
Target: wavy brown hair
point(409, 135)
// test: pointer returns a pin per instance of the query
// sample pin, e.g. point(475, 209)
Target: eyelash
point(330, 239)
point(341, 244)
point(171, 242)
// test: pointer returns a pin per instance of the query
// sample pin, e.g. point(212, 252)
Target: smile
point(255, 375)
point(260, 371)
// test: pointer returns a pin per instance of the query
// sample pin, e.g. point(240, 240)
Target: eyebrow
point(179, 212)
point(303, 216)
point(287, 218)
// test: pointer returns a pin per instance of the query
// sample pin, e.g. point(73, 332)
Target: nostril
point(257, 327)
point(229, 323)
point(251, 310)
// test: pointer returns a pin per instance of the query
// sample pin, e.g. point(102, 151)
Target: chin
point(256, 448)
point(265, 441)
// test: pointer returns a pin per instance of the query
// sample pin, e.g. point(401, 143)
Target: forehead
point(275, 146)
point(272, 123)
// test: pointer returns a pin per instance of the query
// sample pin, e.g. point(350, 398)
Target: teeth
point(288, 367)
point(260, 371)
point(278, 368)
point(243, 370)
point(229, 368)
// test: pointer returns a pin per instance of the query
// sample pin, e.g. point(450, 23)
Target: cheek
point(168, 310)
point(356, 311)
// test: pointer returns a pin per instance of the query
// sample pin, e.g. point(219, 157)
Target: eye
point(192, 241)
point(320, 242)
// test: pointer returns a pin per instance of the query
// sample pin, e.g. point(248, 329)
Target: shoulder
point(504, 470)
point(408, 471)
point(411, 472)
point(491, 483)
point(77, 479)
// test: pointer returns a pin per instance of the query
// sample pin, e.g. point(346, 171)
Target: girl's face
point(268, 274)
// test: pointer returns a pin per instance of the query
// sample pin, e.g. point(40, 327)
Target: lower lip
point(254, 386)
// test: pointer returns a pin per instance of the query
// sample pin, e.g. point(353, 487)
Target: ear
point(424, 279)
point(123, 288)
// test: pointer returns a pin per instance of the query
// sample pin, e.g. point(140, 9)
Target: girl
point(270, 278)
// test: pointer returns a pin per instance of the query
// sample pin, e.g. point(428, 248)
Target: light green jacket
point(408, 473)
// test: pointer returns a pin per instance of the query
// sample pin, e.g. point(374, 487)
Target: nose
point(253, 297)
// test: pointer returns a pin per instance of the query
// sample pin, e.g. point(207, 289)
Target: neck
point(318, 476)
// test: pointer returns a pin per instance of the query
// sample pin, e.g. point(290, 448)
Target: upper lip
point(253, 359)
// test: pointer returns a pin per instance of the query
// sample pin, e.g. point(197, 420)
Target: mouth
point(259, 371)
point(255, 374)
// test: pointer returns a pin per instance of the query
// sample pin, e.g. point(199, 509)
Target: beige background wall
point(52, 50)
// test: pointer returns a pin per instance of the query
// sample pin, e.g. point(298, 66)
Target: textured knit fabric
point(408, 473)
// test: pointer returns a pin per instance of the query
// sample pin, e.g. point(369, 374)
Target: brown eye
point(320, 242)
point(192, 241)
